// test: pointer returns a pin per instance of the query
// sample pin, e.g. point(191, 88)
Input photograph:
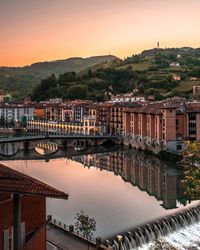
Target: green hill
point(19, 81)
point(153, 72)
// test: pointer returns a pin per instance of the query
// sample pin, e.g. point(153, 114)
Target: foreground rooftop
point(12, 181)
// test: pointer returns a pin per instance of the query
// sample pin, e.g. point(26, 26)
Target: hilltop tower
point(158, 45)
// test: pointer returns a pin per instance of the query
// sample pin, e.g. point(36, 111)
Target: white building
point(16, 112)
point(129, 97)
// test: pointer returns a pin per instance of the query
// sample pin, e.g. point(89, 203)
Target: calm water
point(121, 189)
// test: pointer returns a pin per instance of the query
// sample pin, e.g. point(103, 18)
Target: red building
point(156, 126)
point(23, 210)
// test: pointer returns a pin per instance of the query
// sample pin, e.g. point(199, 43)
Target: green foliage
point(85, 224)
point(77, 92)
point(66, 78)
point(191, 162)
point(21, 81)
point(46, 89)
point(147, 71)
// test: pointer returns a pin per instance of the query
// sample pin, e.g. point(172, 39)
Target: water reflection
point(150, 174)
point(8, 149)
point(121, 189)
point(46, 147)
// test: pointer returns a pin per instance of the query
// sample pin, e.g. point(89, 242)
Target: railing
point(71, 230)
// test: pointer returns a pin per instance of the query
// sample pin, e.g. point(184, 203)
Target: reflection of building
point(146, 172)
point(23, 210)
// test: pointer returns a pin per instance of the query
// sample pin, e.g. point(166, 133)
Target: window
point(179, 147)
point(163, 122)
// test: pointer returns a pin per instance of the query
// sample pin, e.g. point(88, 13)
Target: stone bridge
point(63, 141)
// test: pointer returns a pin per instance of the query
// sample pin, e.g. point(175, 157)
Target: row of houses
point(154, 126)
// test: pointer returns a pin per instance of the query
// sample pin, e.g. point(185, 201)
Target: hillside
point(159, 72)
point(19, 81)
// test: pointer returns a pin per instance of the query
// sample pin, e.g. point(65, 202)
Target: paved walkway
point(63, 241)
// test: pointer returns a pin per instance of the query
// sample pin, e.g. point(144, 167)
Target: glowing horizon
point(35, 31)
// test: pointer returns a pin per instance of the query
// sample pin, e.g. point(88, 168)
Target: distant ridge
point(20, 81)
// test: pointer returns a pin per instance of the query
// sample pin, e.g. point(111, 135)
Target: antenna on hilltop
point(158, 45)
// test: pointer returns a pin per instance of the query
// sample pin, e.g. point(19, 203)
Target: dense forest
point(159, 72)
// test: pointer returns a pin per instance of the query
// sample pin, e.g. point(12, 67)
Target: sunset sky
point(42, 30)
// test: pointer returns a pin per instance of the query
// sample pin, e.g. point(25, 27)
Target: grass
point(186, 86)
point(137, 66)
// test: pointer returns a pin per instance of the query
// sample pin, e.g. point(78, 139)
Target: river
point(121, 189)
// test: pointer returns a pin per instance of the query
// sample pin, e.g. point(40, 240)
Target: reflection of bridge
point(62, 153)
point(30, 142)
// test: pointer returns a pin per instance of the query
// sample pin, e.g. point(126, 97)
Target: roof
point(12, 181)
point(126, 105)
point(193, 107)
point(152, 108)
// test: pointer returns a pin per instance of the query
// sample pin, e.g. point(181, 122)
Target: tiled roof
point(12, 181)
point(193, 107)
point(152, 108)
point(127, 104)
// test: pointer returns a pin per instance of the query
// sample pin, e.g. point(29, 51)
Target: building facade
point(156, 127)
point(16, 112)
point(23, 210)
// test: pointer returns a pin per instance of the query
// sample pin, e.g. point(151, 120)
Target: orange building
point(39, 111)
point(23, 210)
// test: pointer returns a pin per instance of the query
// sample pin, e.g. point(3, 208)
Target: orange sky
point(42, 30)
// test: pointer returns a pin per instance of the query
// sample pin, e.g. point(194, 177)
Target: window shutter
point(6, 239)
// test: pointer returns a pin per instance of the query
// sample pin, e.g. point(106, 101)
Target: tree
point(46, 89)
point(85, 224)
point(191, 162)
point(77, 92)
point(66, 78)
